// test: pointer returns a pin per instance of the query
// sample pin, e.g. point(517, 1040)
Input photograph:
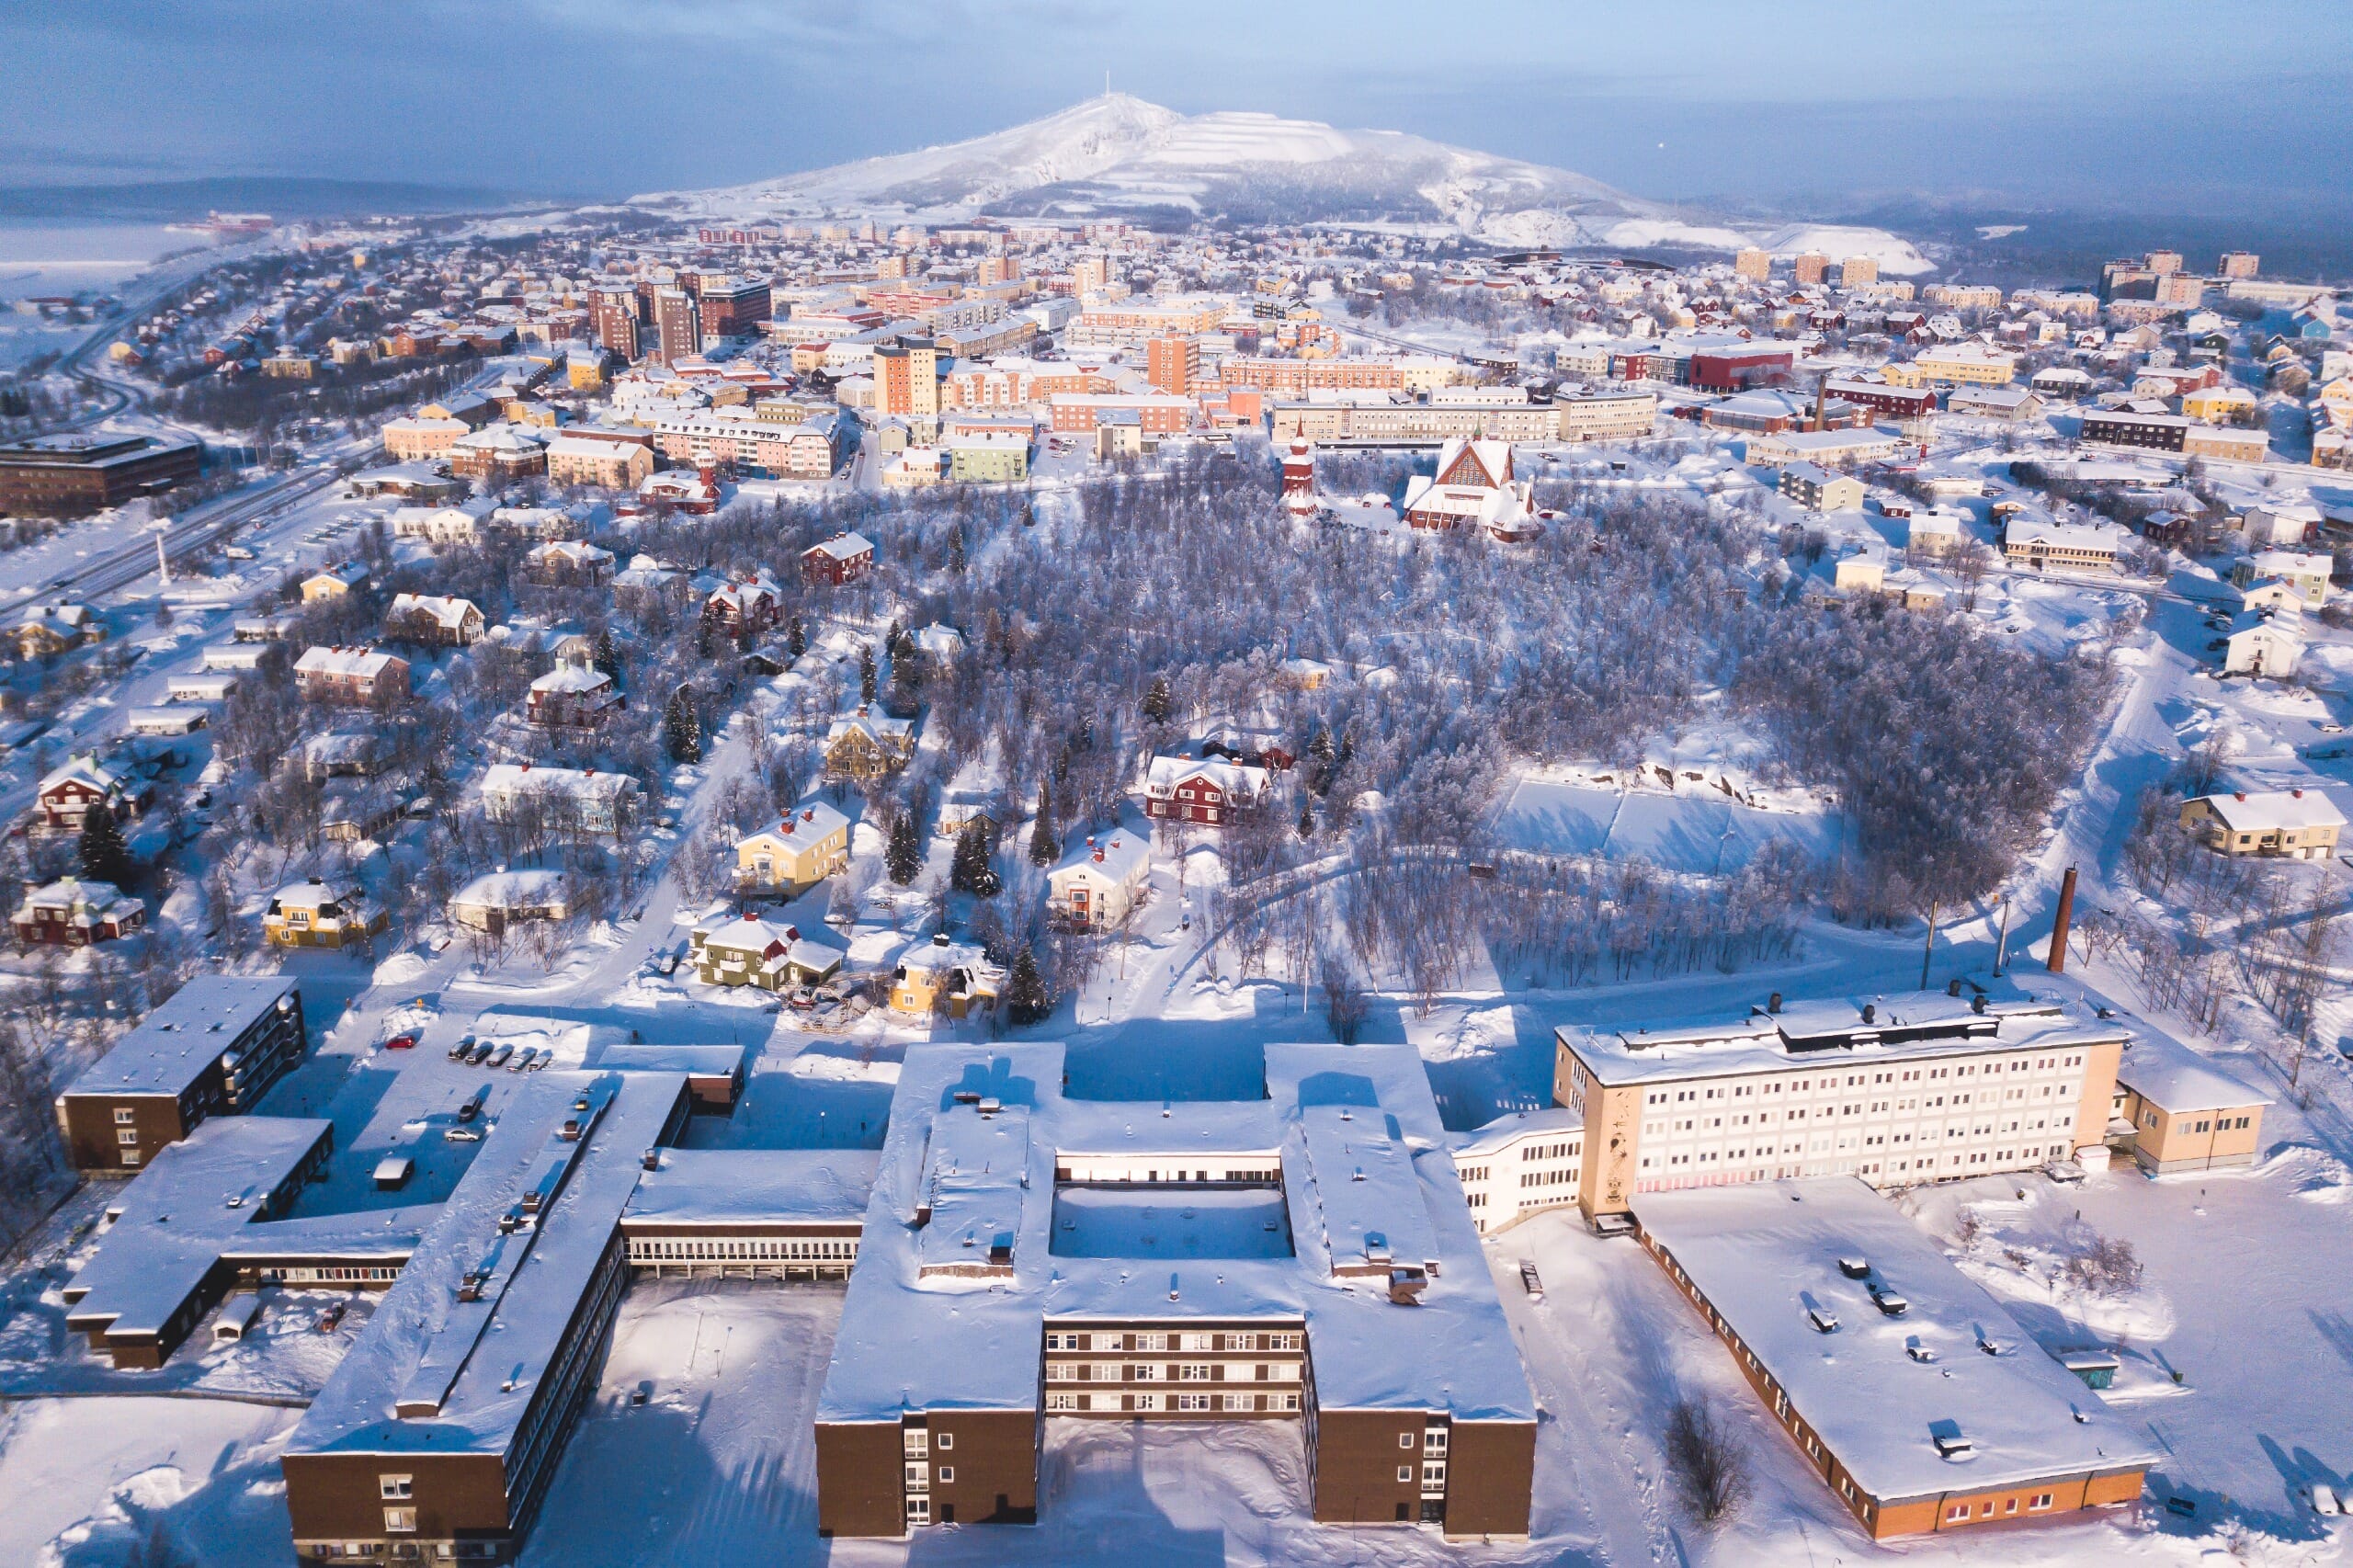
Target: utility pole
point(1929, 951)
point(2002, 948)
point(163, 566)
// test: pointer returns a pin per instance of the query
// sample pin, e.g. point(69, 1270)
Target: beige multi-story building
point(1754, 263)
point(2293, 824)
point(1961, 364)
point(1858, 270)
point(611, 465)
point(1913, 1087)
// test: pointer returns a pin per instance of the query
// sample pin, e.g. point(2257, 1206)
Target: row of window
point(1171, 1372)
point(654, 1249)
point(1183, 1403)
point(1064, 1339)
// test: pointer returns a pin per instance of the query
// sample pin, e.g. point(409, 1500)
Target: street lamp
point(161, 527)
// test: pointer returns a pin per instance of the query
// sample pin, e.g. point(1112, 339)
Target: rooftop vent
point(1773, 1003)
point(1854, 1266)
point(1871, 1013)
point(1950, 1443)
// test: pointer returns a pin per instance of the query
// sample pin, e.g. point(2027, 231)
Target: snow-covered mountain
point(1119, 155)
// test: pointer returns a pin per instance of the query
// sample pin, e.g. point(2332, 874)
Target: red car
point(401, 1042)
point(332, 1316)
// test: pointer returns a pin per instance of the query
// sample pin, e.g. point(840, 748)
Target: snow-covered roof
point(975, 1135)
point(1119, 855)
point(363, 664)
point(208, 1197)
point(574, 678)
point(1761, 1253)
point(175, 1044)
point(528, 889)
point(814, 822)
point(1513, 1125)
point(2274, 811)
point(2174, 1078)
point(514, 778)
point(1230, 778)
point(842, 547)
point(434, 1373)
point(734, 1187)
point(1834, 1033)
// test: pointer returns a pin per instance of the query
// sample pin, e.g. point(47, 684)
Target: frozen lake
point(1700, 830)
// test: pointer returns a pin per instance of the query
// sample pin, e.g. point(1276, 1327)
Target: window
point(917, 1441)
point(400, 1521)
point(123, 1115)
point(947, 1441)
point(1957, 1513)
point(2042, 1500)
point(394, 1488)
point(946, 1474)
point(1405, 1439)
point(126, 1135)
point(1404, 1475)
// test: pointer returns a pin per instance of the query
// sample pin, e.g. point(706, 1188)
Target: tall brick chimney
point(2057, 963)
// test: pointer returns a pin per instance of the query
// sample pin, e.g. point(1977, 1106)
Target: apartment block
point(1028, 1257)
point(1912, 1087)
point(214, 1049)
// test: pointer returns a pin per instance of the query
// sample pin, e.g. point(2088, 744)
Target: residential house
point(800, 851)
point(586, 799)
point(2264, 643)
point(773, 957)
point(2073, 547)
point(1207, 790)
point(865, 746)
point(845, 558)
point(2308, 574)
point(333, 583)
point(499, 899)
point(433, 619)
point(941, 976)
point(78, 785)
point(75, 914)
point(570, 562)
point(1098, 882)
point(2290, 824)
point(744, 606)
point(47, 631)
point(457, 523)
point(354, 678)
point(573, 696)
point(318, 913)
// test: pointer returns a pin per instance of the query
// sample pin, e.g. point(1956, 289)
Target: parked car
point(499, 1054)
point(463, 1135)
point(458, 1052)
point(401, 1042)
point(331, 1317)
point(480, 1052)
point(522, 1059)
point(541, 1060)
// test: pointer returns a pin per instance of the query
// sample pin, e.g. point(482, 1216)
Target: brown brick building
point(1281, 1259)
point(70, 476)
point(214, 1049)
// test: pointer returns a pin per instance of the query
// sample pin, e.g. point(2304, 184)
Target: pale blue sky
point(2171, 106)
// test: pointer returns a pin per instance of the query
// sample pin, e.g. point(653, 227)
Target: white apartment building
point(1913, 1087)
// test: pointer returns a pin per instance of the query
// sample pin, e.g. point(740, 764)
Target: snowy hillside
point(1119, 154)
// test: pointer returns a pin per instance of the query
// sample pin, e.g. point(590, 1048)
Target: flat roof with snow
point(175, 1044)
point(1834, 1031)
point(1887, 1394)
point(435, 1373)
point(960, 1266)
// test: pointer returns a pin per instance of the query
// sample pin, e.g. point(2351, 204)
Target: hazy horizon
point(2157, 106)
